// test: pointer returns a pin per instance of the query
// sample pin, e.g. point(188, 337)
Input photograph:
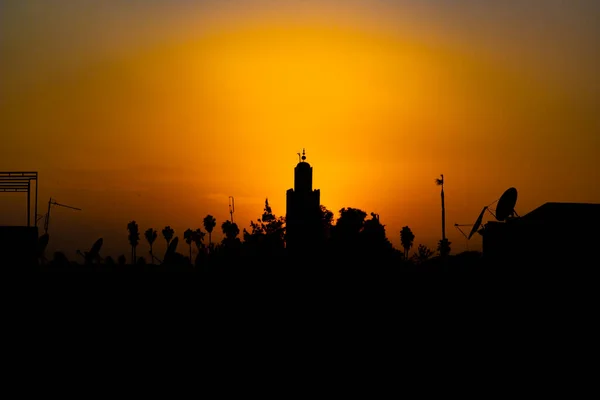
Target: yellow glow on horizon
point(271, 90)
point(163, 125)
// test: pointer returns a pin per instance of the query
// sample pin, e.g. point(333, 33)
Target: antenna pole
point(28, 203)
point(443, 211)
point(231, 207)
point(47, 220)
point(36, 202)
point(50, 203)
point(464, 234)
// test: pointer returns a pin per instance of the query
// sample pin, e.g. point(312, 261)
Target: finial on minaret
point(303, 155)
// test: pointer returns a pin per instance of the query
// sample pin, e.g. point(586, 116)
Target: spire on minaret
point(303, 174)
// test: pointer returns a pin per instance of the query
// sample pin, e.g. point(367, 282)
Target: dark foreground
point(467, 262)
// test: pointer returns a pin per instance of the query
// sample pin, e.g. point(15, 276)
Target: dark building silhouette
point(304, 230)
point(554, 234)
point(18, 245)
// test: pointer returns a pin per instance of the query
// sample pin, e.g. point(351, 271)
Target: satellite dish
point(43, 242)
point(477, 223)
point(170, 253)
point(506, 204)
point(96, 248)
point(172, 246)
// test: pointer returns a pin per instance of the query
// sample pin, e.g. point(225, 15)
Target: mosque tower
point(303, 211)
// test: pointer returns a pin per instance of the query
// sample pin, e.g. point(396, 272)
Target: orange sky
point(159, 110)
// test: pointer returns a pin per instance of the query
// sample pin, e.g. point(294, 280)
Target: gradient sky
point(159, 110)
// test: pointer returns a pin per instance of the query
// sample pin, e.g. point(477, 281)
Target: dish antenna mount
point(505, 210)
point(477, 223)
point(458, 227)
point(506, 205)
point(93, 255)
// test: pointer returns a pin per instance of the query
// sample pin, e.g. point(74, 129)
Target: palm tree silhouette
point(198, 238)
point(168, 233)
point(188, 235)
point(406, 238)
point(209, 224)
point(134, 238)
point(151, 236)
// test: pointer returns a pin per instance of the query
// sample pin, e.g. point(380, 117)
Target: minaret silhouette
point(303, 176)
point(303, 211)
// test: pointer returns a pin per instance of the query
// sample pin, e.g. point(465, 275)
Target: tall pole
point(29, 203)
point(231, 207)
point(36, 199)
point(47, 221)
point(443, 212)
point(440, 182)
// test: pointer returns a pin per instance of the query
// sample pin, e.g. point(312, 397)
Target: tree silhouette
point(151, 236)
point(444, 247)
point(188, 236)
point(209, 224)
point(349, 224)
point(134, 238)
point(198, 238)
point(122, 260)
point(230, 230)
point(373, 240)
point(267, 234)
point(345, 234)
point(351, 221)
point(168, 233)
point(326, 221)
point(231, 244)
point(406, 238)
point(423, 254)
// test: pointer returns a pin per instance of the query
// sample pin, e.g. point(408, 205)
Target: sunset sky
point(159, 110)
